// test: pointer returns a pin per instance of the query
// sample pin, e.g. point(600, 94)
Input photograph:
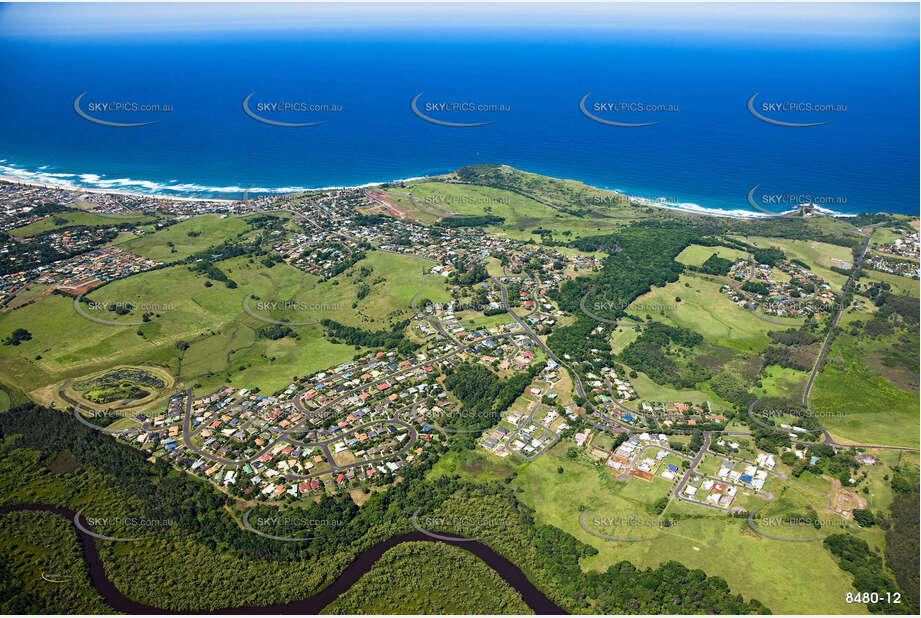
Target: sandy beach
point(688, 208)
point(65, 187)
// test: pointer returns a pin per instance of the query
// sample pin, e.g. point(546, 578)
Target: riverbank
point(312, 604)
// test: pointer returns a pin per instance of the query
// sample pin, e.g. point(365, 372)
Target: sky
point(783, 19)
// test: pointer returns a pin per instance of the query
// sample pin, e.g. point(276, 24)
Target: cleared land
point(705, 310)
point(862, 405)
point(695, 255)
point(181, 240)
point(522, 214)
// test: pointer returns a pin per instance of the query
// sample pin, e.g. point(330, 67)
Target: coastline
point(77, 189)
point(63, 185)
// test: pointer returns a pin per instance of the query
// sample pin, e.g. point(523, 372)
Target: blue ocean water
point(709, 150)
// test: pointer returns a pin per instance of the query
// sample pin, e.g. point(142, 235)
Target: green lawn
point(782, 382)
point(885, 234)
point(648, 390)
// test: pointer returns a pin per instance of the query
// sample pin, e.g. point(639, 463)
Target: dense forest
point(45, 541)
point(902, 544)
point(387, 339)
point(429, 578)
point(715, 265)
point(470, 221)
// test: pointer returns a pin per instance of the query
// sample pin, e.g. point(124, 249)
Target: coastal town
point(400, 407)
point(358, 424)
point(459, 309)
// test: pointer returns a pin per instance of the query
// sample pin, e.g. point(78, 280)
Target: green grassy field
point(884, 234)
point(770, 571)
point(29, 293)
point(476, 320)
point(874, 410)
point(68, 219)
point(720, 546)
point(476, 465)
point(521, 214)
point(622, 337)
point(206, 230)
point(646, 389)
point(424, 213)
point(782, 382)
point(429, 578)
point(900, 285)
point(705, 310)
point(224, 341)
point(695, 255)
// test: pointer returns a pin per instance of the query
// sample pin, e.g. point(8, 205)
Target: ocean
point(357, 78)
